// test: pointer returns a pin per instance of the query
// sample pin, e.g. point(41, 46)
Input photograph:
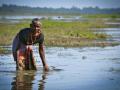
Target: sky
point(64, 3)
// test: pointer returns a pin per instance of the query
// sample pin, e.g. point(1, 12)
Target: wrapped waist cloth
point(25, 58)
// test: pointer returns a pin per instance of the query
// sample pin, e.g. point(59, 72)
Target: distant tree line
point(25, 10)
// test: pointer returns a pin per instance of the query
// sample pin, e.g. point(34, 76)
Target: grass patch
point(4, 51)
point(58, 33)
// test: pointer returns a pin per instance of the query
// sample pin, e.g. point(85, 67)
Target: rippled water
point(70, 69)
point(86, 68)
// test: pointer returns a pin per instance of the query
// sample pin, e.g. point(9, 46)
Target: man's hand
point(42, 55)
point(46, 68)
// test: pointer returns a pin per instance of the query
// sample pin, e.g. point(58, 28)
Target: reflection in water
point(24, 80)
point(42, 82)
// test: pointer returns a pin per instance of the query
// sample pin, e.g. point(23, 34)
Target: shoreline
point(4, 50)
point(64, 34)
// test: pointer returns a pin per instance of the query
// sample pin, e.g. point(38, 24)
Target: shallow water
point(114, 32)
point(13, 18)
point(70, 69)
point(86, 68)
point(19, 17)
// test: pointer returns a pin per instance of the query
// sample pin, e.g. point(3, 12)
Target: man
point(22, 47)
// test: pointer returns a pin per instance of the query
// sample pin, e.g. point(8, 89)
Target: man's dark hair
point(34, 20)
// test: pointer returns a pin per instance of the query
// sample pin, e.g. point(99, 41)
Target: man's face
point(36, 27)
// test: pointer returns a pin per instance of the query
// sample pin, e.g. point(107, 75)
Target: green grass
point(58, 33)
point(70, 33)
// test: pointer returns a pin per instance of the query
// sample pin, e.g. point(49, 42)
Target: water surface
point(81, 68)
point(70, 69)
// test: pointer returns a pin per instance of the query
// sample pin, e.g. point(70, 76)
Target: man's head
point(36, 25)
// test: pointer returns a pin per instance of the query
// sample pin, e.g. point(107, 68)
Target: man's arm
point(15, 47)
point(42, 55)
point(15, 56)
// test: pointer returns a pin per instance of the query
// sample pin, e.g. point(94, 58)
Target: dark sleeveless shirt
point(25, 37)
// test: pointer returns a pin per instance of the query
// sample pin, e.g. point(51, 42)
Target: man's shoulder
point(42, 35)
point(40, 39)
point(25, 29)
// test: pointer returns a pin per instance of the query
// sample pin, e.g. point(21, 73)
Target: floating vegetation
point(4, 50)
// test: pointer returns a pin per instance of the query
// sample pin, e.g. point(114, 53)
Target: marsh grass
point(76, 33)
point(58, 33)
point(4, 50)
